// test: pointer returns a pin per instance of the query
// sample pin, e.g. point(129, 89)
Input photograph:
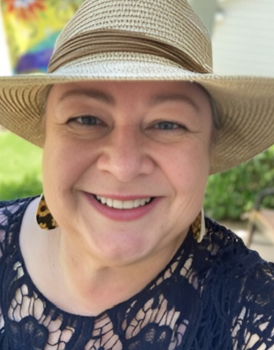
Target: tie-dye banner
point(32, 27)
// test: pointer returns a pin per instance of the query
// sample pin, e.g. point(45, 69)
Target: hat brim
point(245, 105)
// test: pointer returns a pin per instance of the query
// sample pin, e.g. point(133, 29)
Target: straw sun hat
point(145, 40)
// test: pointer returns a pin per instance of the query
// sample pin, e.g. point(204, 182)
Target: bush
point(20, 170)
point(232, 193)
point(28, 186)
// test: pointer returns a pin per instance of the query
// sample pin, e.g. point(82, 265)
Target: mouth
point(123, 205)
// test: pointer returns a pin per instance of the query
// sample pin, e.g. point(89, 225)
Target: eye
point(166, 131)
point(86, 120)
point(168, 125)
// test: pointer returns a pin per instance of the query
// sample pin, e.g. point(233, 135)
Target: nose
point(125, 154)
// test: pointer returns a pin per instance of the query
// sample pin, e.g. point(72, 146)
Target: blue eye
point(87, 120)
point(166, 125)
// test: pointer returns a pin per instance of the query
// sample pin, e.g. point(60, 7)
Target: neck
point(94, 285)
point(77, 282)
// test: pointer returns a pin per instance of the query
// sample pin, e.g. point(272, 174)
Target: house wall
point(206, 10)
point(5, 68)
point(243, 37)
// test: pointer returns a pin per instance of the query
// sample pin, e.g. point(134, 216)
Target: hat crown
point(168, 22)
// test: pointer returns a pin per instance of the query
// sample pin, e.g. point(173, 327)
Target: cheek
point(187, 170)
point(64, 162)
point(190, 162)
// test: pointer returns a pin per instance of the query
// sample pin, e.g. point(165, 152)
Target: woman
point(116, 253)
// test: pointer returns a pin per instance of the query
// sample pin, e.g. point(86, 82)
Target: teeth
point(103, 200)
point(137, 203)
point(128, 204)
point(109, 202)
point(115, 203)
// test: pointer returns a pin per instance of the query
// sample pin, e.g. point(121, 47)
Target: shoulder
point(227, 247)
point(12, 207)
point(11, 215)
point(241, 284)
point(232, 259)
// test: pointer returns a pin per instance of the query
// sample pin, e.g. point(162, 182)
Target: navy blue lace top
point(213, 295)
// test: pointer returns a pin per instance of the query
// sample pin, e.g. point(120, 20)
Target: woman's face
point(125, 165)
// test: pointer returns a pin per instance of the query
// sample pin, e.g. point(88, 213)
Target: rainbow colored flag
point(32, 27)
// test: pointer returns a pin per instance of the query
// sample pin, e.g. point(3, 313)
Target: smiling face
point(125, 165)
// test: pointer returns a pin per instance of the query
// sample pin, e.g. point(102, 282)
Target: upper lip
point(123, 198)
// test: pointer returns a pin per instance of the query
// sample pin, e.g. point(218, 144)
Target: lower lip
point(122, 214)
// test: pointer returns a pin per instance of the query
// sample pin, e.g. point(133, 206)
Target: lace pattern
point(212, 295)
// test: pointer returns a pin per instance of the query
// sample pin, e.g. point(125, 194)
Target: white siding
point(243, 40)
point(5, 68)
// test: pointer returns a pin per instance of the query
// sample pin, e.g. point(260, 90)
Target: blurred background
point(243, 44)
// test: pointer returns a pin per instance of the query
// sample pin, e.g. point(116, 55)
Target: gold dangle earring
point(198, 227)
point(43, 216)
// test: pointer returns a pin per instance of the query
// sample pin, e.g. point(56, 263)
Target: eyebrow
point(95, 94)
point(109, 99)
point(174, 97)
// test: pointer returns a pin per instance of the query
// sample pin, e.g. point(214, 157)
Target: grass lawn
point(20, 170)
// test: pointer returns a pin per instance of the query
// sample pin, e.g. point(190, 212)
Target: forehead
point(112, 92)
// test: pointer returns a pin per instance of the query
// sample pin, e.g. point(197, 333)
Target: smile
point(118, 204)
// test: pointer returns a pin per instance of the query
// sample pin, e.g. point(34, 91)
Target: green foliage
point(20, 170)
point(27, 186)
point(232, 193)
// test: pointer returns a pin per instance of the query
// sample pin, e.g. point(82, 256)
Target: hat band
point(105, 41)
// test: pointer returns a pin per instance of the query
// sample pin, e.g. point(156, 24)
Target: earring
point(43, 216)
point(198, 227)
